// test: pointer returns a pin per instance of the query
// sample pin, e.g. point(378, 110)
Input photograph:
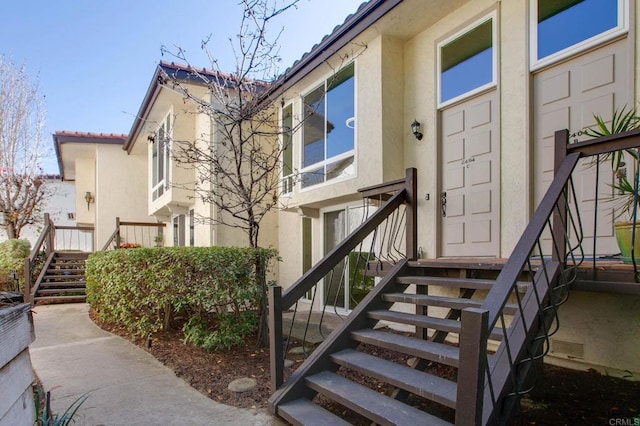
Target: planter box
point(16, 373)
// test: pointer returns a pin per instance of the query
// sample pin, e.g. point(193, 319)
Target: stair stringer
point(519, 343)
point(319, 360)
point(42, 274)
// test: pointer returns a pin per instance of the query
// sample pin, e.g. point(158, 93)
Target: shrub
point(12, 255)
point(216, 289)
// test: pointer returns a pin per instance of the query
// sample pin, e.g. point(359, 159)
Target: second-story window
point(328, 137)
point(467, 61)
point(160, 158)
point(287, 149)
point(563, 27)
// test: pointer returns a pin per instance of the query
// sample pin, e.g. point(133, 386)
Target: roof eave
point(152, 92)
point(355, 25)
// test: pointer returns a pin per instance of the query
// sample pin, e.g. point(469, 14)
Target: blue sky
point(95, 58)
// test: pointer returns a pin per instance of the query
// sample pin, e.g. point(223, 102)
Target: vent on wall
point(568, 349)
point(71, 216)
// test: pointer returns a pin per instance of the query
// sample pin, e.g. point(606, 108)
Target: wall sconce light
point(89, 198)
point(415, 128)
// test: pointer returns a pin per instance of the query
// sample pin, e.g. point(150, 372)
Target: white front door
point(470, 197)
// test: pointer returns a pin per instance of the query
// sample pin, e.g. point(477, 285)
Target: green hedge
point(216, 290)
point(12, 255)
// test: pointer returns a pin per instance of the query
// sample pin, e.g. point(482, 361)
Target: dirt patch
point(569, 396)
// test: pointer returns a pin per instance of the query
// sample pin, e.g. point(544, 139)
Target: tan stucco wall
point(606, 326)
point(85, 182)
point(120, 190)
point(513, 85)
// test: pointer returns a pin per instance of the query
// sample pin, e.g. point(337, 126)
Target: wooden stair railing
point(480, 377)
point(405, 195)
point(42, 251)
point(144, 234)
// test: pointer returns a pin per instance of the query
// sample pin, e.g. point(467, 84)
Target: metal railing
point(386, 236)
point(548, 253)
point(135, 234)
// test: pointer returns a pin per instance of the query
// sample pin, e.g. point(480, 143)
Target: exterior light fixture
point(89, 198)
point(415, 128)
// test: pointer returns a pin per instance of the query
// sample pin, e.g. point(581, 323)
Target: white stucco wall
point(59, 204)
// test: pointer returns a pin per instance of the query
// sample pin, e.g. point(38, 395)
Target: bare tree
point(238, 166)
point(242, 157)
point(22, 115)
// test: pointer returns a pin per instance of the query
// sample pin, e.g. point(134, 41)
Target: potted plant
point(622, 162)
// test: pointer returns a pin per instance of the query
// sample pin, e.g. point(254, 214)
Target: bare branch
point(22, 148)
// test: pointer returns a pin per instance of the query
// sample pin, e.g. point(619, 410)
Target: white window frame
point(493, 16)
point(351, 153)
point(192, 227)
point(617, 31)
point(166, 157)
point(286, 182)
point(178, 224)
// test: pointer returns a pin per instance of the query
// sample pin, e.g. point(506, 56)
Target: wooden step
point(57, 284)
point(63, 277)
point(470, 264)
point(76, 255)
point(60, 299)
point(437, 352)
point(59, 291)
point(68, 263)
point(417, 382)
point(369, 403)
point(465, 283)
point(440, 301)
point(304, 412)
point(434, 323)
point(60, 271)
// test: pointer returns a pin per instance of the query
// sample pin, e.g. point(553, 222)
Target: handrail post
point(276, 354)
point(27, 280)
point(472, 366)
point(51, 235)
point(411, 189)
point(561, 139)
point(118, 233)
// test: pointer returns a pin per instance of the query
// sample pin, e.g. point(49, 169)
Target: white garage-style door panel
point(470, 178)
point(567, 96)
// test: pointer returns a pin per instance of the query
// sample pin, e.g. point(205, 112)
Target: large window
point(287, 149)
point(328, 130)
point(160, 158)
point(467, 61)
point(561, 27)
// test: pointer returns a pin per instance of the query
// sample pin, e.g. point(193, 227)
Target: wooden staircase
point(62, 280)
point(416, 295)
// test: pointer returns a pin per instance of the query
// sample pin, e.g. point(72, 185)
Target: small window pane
point(313, 128)
point(467, 62)
point(564, 23)
point(161, 148)
point(192, 228)
point(340, 104)
point(341, 168)
point(287, 148)
point(312, 177)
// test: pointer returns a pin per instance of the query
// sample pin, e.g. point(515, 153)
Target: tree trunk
point(10, 228)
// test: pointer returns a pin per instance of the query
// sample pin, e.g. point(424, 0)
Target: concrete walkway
point(125, 384)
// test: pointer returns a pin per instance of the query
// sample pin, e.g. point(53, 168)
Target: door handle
point(443, 204)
